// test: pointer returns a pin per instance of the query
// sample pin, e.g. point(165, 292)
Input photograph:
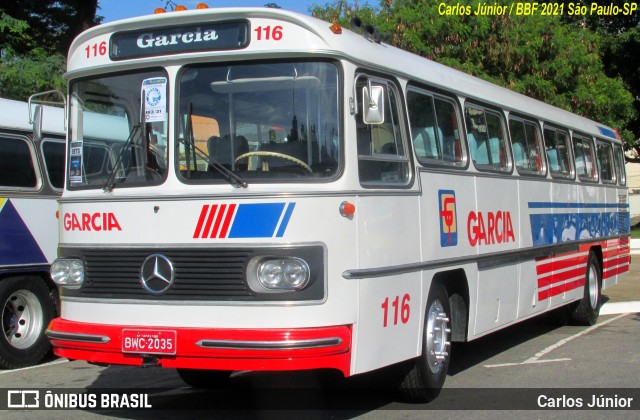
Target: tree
point(53, 24)
point(539, 56)
point(621, 54)
point(34, 38)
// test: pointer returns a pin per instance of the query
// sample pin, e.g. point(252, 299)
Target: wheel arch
point(42, 275)
point(597, 251)
point(457, 287)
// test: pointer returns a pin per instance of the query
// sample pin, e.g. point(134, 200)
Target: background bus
point(31, 181)
point(292, 195)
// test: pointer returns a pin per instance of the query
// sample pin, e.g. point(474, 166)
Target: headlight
point(67, 272)
point(283, 273)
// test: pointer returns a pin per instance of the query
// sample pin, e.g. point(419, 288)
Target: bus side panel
point(447, 202)
point(589, 226)
point(620, 249)
point(568, 230)
point(28, 231)
point(495, 228)
point(536, 229)
point(616, 252)
point(389, 307)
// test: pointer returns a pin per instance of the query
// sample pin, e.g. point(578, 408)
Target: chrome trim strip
point(270, 345)
point(484, 262)
point(85, 338)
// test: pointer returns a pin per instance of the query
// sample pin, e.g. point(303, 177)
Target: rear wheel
point(428, 372)
point(587, 310)
point(207, 379)
point(27, 308)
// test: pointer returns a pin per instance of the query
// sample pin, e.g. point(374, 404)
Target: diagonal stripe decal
point(252, 220)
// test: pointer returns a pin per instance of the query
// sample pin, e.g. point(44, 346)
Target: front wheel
point(206, 379)
point(428, 372)
point(587, 310)
point(27, 308)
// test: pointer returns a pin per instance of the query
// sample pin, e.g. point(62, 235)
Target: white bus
point(300, 196)
point(31, 181)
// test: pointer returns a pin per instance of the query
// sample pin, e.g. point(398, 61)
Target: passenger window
point(17, 168)
point(382, 158)
point(557, 146)
point(434, 129)
point(485, 134)
point(53, 152)
point(585, 160)
point(527, 146)
point(605, 161)
point(620, 169)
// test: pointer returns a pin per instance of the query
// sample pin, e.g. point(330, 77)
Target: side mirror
point(37, 123)
point(373, 104)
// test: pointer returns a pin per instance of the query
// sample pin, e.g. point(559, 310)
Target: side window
point(605, 161)
point(557, 146)
point(382, 159)
point(434, 129)
point(17, 168)
point(485, 134)
point(620, 169)
point(585, 159)
point(526, 143)
point(53, 152)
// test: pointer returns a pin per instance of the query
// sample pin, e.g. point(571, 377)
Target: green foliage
point(621, 52)
point(52, 23)
point(21, 75)
point(540, 56)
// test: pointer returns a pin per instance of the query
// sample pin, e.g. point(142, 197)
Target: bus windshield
point(265, 122)
point(109, 146)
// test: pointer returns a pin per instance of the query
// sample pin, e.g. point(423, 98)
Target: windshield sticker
point(75, 164)
point(154, 92)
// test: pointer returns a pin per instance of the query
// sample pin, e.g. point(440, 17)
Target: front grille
point(200, 274)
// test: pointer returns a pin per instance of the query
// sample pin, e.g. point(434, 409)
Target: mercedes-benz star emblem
point(157, 274)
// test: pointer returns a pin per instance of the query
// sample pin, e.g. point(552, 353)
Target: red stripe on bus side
point(561, 288)
point(549, 266)
point(203, 214)
point(558, 277)
point(207, 227)
point(227, 221)
point(618, 270)
point(216, 225)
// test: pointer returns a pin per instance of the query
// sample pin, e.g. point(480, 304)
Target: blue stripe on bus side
point(548, 205)
point(547, 229)
point(17, 244)
point(256, 220)
point(285, 219)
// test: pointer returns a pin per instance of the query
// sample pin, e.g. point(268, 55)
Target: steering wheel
point(265, 164)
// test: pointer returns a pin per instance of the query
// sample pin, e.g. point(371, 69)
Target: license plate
point(149, 341)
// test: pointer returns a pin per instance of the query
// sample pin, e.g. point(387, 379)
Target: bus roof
point(15, 115)
point(353, 47)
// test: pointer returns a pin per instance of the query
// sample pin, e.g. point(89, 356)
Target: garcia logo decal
point(448, 218)
point(490, 228)
point(87, 222)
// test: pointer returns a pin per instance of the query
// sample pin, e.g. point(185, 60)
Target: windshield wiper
point(227, 174)
point(111, 182)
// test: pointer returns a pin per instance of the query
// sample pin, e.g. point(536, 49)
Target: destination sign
point(151, 42)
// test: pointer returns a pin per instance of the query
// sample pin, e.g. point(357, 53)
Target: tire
point(427, 373)
point(206, 379)
point(28, 305)
point(587, 310)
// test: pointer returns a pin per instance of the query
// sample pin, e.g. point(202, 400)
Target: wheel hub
point(22, 319)
point(437, 336)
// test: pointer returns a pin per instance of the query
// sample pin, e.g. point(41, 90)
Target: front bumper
point(205, 348)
